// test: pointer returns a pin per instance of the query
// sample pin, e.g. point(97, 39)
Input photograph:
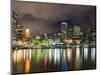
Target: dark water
point(51, 60)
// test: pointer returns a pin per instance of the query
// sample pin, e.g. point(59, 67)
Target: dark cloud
point(42, 17)
point(27, 17)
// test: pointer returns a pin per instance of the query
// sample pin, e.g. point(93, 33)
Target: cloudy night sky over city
point(42, 17)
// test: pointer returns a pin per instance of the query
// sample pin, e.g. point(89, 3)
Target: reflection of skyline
point(39, 16)
point(54, 57)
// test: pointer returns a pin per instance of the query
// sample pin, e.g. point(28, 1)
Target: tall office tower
point(66, 30)
point(14, 22)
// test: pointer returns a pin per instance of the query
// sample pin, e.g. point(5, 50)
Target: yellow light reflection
point(27, 65)
point(69, 54)
point(18, 56)
point(14, 57)
point(23, 55)
point(78, 58)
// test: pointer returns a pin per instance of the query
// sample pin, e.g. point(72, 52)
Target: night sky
point(42, 17)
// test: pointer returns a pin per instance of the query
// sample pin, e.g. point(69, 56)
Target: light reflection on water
point(78, 59)
point(93, 55)
point(27, 65)
point(32, 60)
point(85, 54)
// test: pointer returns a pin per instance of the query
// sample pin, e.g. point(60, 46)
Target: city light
point(69, 41)
point(50, 55)
point(27, 65)
point(57, 45)
point(93, 54)
point(14, 56)
point(19, 56)
point(27, 33)
point(72, 40)
point(27, 30)
point(86, 54)
point(68, 54)
point(78, 58)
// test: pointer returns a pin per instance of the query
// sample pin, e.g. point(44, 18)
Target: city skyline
point(51, 37)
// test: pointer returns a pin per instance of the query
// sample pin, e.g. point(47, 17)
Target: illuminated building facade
point(77, 32)
point(27, 33)
point(69, 32)
point(19, 32)
point(14, 21)
point(89, 36)
point(66, 30)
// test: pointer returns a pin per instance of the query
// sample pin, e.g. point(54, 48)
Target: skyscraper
point(66, 30)
point(14, 22)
